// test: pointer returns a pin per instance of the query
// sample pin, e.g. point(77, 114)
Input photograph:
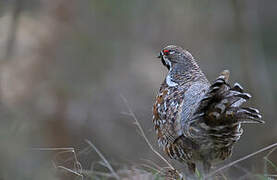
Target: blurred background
point(65, 65)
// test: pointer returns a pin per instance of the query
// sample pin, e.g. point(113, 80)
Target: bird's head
point(172, 54)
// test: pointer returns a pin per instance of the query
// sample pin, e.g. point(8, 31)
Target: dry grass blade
point(241, 159)
point(266, 160)
point(152, 168)
point(246, 171)
point(131, 113)
point(69, 170)
point(91, 173)
point(104, 159)
point(152, 163)
point(83, 151)
point(65, 150)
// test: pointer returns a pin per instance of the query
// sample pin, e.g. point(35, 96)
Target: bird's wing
point(167, 120)
point(166, 117)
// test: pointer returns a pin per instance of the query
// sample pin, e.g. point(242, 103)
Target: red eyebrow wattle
point(165, 51)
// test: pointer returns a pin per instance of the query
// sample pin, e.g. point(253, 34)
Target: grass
point(108, 165)
point(150, 170)
point(77, 171)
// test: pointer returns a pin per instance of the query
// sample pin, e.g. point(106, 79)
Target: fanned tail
point(222, 104)
point(216, 122)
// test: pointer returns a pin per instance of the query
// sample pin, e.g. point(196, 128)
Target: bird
point(195, 120)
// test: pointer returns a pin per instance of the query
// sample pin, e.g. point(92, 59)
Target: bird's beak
point(160, 55)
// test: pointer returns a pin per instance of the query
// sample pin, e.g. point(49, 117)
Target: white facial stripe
point(171, 52)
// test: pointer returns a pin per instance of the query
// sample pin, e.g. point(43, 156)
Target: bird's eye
point(166, 52)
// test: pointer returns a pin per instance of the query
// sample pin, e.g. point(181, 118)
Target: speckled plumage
point(193, 119)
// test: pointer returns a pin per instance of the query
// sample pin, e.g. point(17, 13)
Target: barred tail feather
point(222, 104)
point(249, 115)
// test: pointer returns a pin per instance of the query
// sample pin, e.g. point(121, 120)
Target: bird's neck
point(182, 73)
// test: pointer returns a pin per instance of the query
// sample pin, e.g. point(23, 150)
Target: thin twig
point(53, 149)
point(63, 150)
point(266, 159)
point(89, 173)
point(131, 113)
point(81, 152)
point(103, 158)
point(246, 171)
point(241, 159)
point(78, 166)
point(70, 170)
